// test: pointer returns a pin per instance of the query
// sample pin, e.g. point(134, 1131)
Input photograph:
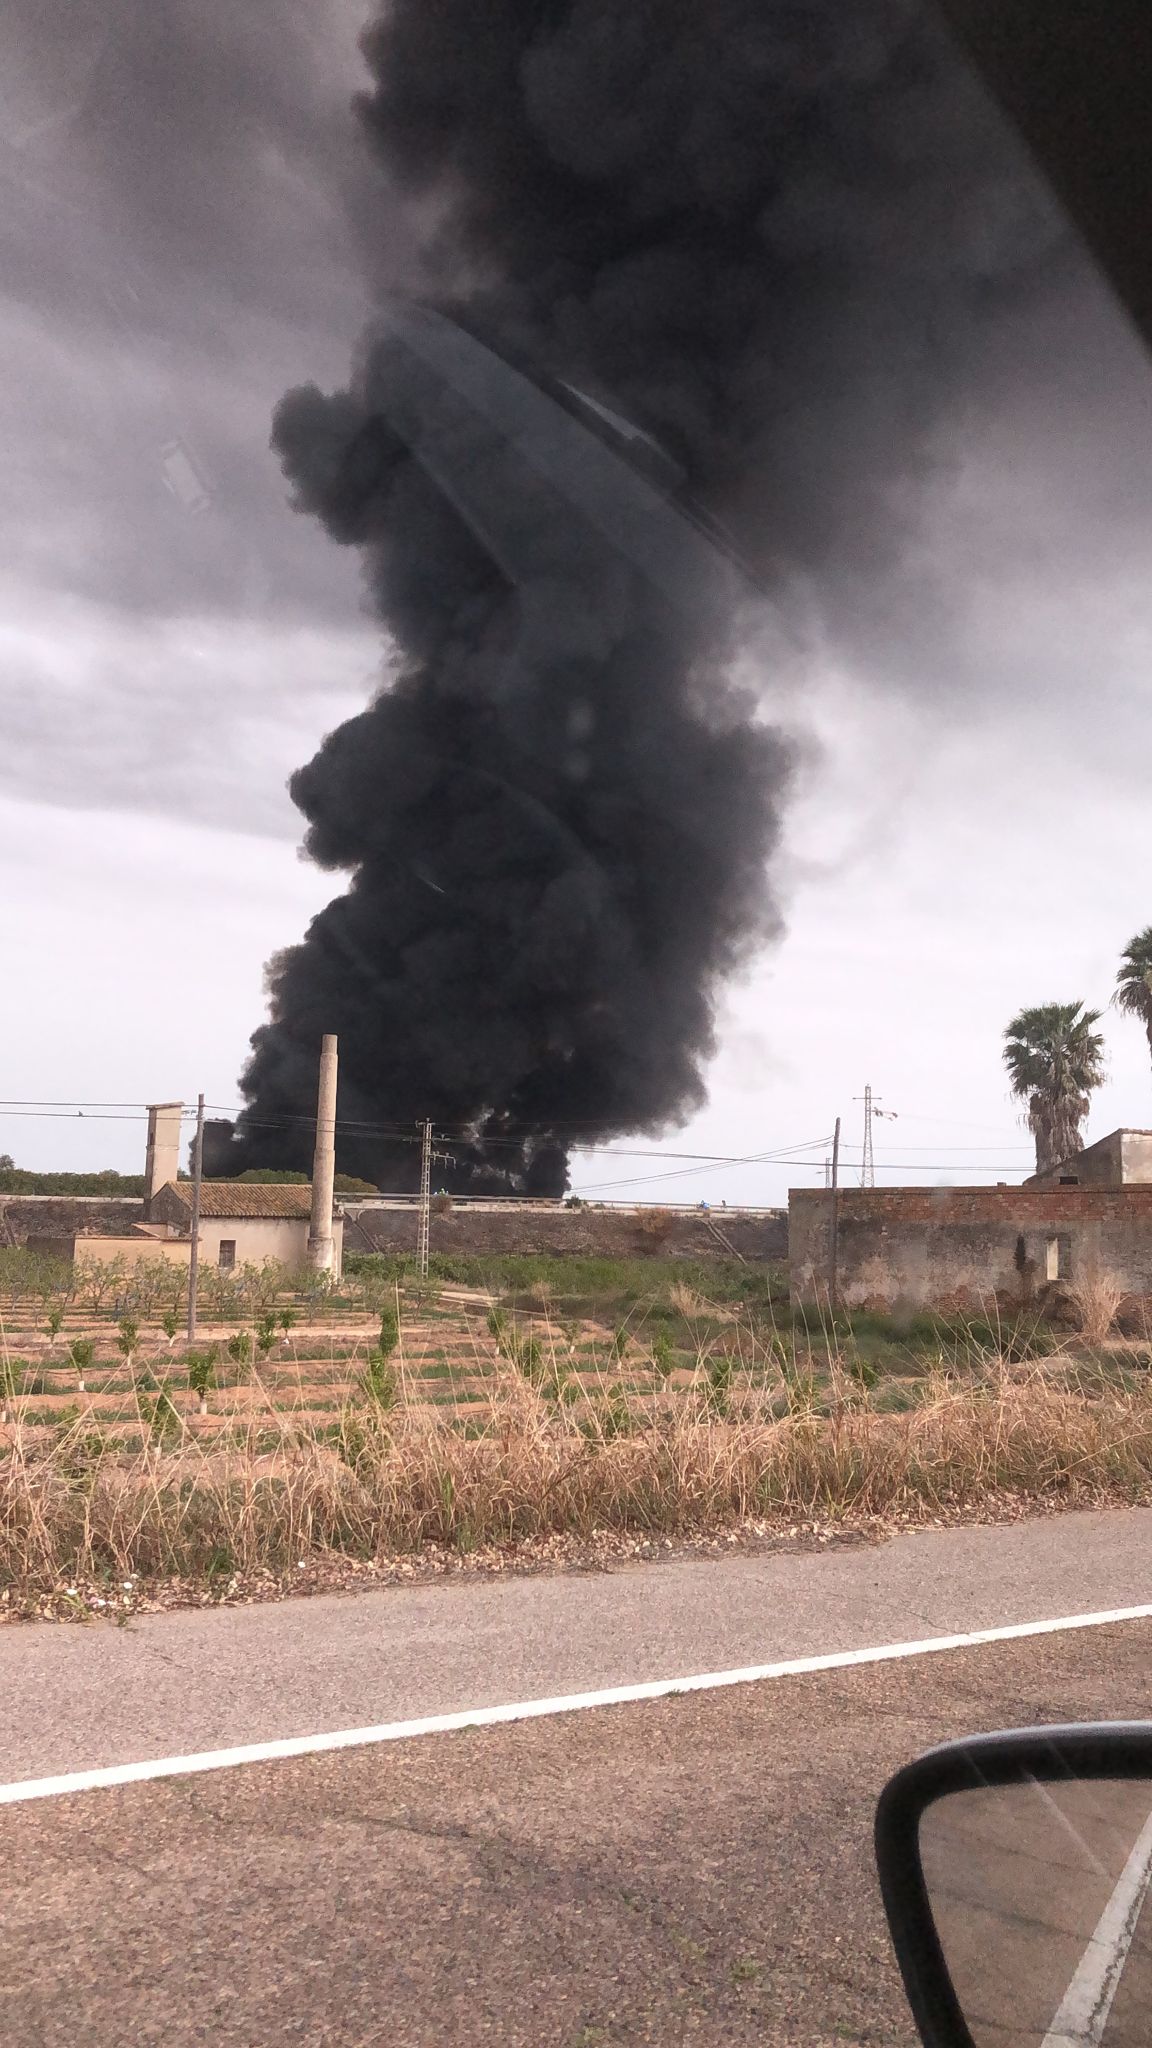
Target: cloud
point(178, 717)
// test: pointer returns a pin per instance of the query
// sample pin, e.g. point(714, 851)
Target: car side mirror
point(1014, 1870)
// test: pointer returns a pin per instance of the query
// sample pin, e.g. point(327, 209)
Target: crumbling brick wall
point(967, 1248)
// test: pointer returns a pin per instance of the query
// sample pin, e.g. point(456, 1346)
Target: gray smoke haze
point(766, 234)
point(177, 187)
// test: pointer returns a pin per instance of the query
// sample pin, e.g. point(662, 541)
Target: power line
point(687, 1172)
point(65, 1102)
point(72, 1108)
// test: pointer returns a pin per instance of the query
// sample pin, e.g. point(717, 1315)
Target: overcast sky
point(970, 833)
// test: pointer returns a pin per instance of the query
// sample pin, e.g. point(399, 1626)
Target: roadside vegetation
point(516, 1403)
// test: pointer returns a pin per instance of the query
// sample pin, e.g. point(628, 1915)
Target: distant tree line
point(282, 1177)
point(18, 1180)
point(1055, 1056)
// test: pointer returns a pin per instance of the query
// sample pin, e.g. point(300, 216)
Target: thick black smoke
point(763, 232)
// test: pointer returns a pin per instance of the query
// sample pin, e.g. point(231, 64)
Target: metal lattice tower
point(425, 1202)
point(872, 1109)
point(867, 1163)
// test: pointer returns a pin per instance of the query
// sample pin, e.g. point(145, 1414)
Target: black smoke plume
point(741, 250)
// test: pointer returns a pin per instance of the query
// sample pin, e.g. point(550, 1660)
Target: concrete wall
point(1122, 1159)
point(607, 1233)
point(1137, 1157)
point(1099, 1166)
point(257, 1239)
point(260, 1238)
point(131, 1251)
point(967, 1248)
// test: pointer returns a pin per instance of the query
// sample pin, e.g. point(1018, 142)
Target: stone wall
point(607, 1233)
point(63, 1217)
point(967, 1248)
point(469, 1228)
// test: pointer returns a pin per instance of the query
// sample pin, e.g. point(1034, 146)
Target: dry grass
point(687, 1302)
point(388, 1483)
point(1096, 1299)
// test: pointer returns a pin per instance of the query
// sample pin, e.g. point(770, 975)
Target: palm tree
point(1054, 1060)
point(1134, 981)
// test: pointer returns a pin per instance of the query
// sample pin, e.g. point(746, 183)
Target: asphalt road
point(1019, 1878)
point(695, 1869)
point(74, 1698)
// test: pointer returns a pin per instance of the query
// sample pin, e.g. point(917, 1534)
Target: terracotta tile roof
point(244, 1198)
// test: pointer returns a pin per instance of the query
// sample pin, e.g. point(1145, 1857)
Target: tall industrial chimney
point(162, 1161)
point(320, 1248)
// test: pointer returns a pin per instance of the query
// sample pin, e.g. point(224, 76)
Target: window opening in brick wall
point(1058, 1258)
point(227, 1254)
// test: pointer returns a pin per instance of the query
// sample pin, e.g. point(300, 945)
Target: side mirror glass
point(1016, 1871)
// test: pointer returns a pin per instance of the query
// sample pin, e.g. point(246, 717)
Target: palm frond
point(1133, 992)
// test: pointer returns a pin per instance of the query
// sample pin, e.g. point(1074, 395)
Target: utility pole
point(425, 1201)
point(834, 1259)
point(194, 1254)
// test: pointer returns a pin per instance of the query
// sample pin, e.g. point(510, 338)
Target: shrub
point(82, 1351)
point(170, 1323)
point(18, 1180)
point(54, 1320)
point(272, 1177)
point(655, 1226)
point(201, 1368)
point(663, 1355)
point(78, 1454)
point(389, 1332)
point(529, 1360)
point(607, 1419)
point(96, 1282)
point(719, 1382)
point(261, 1284)
point(10, 1377)
point(128, 1338)
point(378, 1383)
point(240, 1347)
point(150, 1282)
point(441, 1205)
point(164, 1419)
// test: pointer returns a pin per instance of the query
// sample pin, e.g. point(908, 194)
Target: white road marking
point(532, 1710)
point(1086, 2004)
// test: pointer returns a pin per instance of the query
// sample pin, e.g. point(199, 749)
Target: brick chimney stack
point(162, 1160)
point(320, 1247)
